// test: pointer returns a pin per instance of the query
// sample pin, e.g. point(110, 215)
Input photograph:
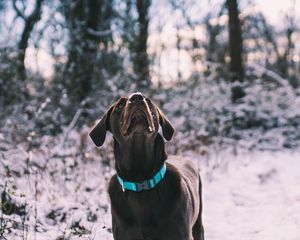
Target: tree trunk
point(235, 41)
point(235, 51)
point(141, 63)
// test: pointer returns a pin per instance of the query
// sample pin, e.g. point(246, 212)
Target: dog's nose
point(136, 97)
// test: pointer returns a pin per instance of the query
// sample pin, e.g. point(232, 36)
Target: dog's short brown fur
point(172, 210)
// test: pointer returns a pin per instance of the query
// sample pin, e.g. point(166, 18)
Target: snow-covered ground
point(247, 195)
point(253, 196)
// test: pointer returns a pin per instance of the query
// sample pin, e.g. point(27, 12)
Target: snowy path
point(248, 196)
point(254, 197)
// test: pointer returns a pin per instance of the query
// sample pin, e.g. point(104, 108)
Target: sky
point(274, 9)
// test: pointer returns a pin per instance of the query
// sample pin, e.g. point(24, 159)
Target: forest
point(225, 72)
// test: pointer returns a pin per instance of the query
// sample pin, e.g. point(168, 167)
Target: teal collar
point(145, 185)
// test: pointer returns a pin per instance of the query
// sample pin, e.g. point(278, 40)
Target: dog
point(152, 197)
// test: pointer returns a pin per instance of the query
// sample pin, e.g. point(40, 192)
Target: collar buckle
point(142, 186)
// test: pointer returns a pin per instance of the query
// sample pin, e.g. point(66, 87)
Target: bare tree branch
point(99, 34)
point(18, 11)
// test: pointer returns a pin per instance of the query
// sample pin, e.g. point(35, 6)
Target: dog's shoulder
point(189, 179)
point(187, 171)
point(184, 165)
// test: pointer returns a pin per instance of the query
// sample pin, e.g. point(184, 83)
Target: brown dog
point(150, 199)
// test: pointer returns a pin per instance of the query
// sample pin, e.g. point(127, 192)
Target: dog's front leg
point(124, 231)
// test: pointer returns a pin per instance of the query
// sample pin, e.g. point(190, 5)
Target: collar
point(145, 185)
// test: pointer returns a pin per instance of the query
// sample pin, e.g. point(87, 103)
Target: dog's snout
point(136, 97)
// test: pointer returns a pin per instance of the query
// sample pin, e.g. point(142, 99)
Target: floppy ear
point(166, 126)
point(98, 133)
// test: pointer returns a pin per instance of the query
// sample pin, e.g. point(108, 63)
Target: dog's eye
point(147, 100)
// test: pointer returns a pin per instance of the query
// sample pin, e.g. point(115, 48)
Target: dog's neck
point(140, 159)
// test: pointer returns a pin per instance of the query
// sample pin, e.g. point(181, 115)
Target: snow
point(247, 194)
point(254, 196)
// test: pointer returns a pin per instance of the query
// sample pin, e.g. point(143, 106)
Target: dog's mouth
point(138, 120)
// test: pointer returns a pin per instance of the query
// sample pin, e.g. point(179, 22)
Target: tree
point(85, 23)
point(135, 23)
point(141, 62)
point(286, 65)
point(215, 51)
point(29, 23)
point(235, 40)
point(275, 48)
point(235, 49)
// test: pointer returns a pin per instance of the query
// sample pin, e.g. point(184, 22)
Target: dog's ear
point(98, 133)
point(166, 126)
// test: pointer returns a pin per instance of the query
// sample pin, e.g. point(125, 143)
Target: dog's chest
point(145, 207)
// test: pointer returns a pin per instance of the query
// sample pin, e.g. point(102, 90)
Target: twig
point(72, 124)
point(66, 155)
point(42, 107)
point(35, 207)
point(99, 33)
point(262, 70)
point(24, 225)
point(18, 11)
point(2, 221)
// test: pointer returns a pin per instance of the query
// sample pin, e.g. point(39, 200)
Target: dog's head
point(132, 116)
